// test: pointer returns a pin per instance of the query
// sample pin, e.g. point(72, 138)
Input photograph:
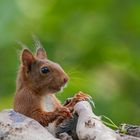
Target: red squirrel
point(37, 78)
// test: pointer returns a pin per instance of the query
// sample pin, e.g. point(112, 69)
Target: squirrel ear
point(27, 57)
point(41, 53)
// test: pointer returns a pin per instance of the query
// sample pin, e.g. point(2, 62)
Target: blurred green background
point(97, 42)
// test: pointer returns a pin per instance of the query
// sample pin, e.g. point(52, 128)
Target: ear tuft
point(41, 53)
point(27, 57)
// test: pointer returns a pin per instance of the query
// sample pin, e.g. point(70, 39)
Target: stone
point(15, 126)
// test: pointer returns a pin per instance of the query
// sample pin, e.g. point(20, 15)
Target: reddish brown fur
point(32, 86)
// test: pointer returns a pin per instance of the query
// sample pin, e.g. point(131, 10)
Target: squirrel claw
point(82, 95)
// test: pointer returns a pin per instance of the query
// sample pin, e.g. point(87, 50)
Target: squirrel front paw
point(80, 96)
point(62, 113)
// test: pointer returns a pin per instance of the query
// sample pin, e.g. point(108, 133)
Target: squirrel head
point(40, 74)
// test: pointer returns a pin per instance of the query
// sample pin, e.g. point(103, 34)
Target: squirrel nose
point(65, 80)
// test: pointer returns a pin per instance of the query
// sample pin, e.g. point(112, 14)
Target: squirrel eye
point(45, 70)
